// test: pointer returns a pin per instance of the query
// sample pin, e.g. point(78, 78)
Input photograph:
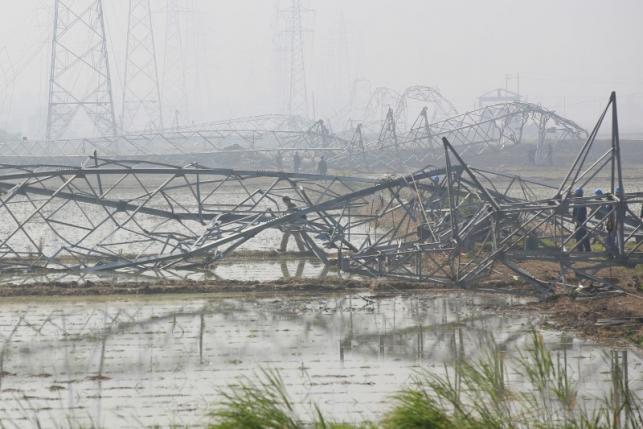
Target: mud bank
point(283, 285)
point(303, 285)
point(614, 320)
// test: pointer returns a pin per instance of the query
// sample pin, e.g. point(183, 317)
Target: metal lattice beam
point(450, 225)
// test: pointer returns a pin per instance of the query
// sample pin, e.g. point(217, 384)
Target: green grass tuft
point(265, 404)
point(471, 395)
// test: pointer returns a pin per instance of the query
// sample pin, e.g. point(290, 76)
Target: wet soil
point(89, 288)
point(608, 316)
point(615, 318)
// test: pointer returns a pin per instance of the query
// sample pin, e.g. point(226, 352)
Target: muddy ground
point(617, 320)
point(614, 317)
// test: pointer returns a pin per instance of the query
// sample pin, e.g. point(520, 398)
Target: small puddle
point(128, 362)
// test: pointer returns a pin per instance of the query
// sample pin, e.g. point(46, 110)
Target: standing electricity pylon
point(294, 32)
point(142, 109)
point(343, 73)
point(79, 80)
point(174, 82)
point(7, 79)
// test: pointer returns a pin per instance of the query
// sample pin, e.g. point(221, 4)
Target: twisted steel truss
point(258, 141)
point(488, 129)
point(449, 225)
point(251, 135)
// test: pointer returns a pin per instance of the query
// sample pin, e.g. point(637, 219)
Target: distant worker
point(579, 214)
point(296, 162)
point(322, 167)
point(292, 228)
point(550, 154)
point(280, 161)
point(621, 208)
point(607, 214)
point(531, 157)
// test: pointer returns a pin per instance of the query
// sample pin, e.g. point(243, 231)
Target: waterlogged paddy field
point(233, 269)
point(130, 362)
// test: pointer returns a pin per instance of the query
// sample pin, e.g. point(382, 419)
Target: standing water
point(132, 362)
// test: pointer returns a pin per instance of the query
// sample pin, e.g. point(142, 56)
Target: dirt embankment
point(105, 288)
point(608, 318)
point(615, 319)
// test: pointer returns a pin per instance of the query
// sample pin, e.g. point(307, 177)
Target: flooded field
point(132, 362)
point(253, 268)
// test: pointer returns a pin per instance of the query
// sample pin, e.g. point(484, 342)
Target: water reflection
point(241, 269)
point(160, 359)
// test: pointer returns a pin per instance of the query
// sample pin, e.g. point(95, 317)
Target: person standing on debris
point(322, 167)
point(550, 154)
point(621, 207)
point(296, 162)
point(579, 214)
point(292, 229)
point(610, 226)
point(607, 212)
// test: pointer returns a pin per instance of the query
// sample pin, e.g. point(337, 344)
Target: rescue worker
point(621, 208)
point(579, 214)
point(606, 212)
point(550, 154)
point(291, 229)
point(531, 157)
point(296, 162)
point(322, 167)
point(280, 161)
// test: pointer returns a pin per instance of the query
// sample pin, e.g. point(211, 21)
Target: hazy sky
point(569, 53)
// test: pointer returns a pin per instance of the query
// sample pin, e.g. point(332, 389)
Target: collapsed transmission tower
point(294, 33)
point(79, 81)
point(453, 225)
point(142, 109)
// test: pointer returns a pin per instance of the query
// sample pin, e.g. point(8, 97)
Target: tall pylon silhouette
point(174, 79)
point(80, 85)
point(142, 108)
point(293, 30)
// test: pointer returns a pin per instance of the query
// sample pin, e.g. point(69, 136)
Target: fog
point(566, 55)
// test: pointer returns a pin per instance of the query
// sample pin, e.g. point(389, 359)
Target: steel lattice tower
point(142, 108)
point(7, 74)
point(79, 80)
point(174, 81)
point(298, 93)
